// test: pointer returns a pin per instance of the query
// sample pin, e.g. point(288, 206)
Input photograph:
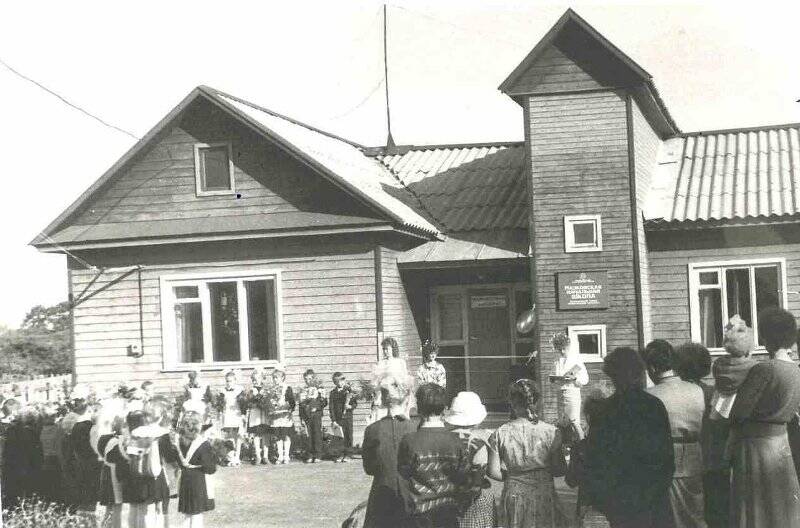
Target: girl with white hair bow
point(257, 418)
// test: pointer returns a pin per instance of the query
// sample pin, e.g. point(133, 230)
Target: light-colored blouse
point(432, 374)
point(524, 446)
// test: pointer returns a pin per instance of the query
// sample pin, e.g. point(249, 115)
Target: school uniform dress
point(50, 485)
point(280, 422)
point(340, 415)
point(114, 473)
point(528, 451)
point(379, 457)
point(232, 419)
point(22, 462)
point(257, 419)
point(87, 466)
point(151, 490)
point(196, 488)
point(764, 488)
point(685, 404)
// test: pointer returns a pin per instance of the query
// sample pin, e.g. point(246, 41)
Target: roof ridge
point(403, 149)
point(734, 130)
point(215, 91)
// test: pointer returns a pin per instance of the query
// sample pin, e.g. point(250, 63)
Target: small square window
point(213, 169)
point(589, 341)
point(582, 233)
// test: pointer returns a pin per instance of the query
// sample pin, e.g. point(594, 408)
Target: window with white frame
point(589, 341)
point(220, 319)
point(720, 290)
point(583, 233)
point(213, 168)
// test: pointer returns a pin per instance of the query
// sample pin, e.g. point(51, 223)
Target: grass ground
point(301, 495)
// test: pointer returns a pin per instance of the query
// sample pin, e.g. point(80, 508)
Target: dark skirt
point(281, 431)
point(260, 429)
point(764, 488)
point(106, 494)
point(88, 482)
point(480, 513)
point(145, 490)
point(193, 494)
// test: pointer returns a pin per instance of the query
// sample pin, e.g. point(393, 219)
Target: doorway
point(474, 326)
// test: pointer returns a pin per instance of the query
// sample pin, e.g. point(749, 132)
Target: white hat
point(466, 410)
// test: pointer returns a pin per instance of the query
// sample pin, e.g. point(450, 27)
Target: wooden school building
point(232, 236)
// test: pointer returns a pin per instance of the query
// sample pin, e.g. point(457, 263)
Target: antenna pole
point(389, 139)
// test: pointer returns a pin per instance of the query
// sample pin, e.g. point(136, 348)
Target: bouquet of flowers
point(365, 389)
point(219, 403)
point(273, 398)
point(310, 396)
point(243, 401)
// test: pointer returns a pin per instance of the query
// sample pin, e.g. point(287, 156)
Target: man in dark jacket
point(629, 456)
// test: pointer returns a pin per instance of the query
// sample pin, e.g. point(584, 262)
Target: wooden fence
point(41, 389)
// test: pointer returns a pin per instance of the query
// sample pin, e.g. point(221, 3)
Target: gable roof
point(641, 82)
point(340, 161)
point(737, 175)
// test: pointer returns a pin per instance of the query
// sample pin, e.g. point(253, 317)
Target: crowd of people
point(683, 452)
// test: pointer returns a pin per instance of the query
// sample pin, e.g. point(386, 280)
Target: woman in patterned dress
point(526, 454)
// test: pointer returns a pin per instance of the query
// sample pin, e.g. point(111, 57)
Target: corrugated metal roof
point(476, 194)
point(727, 175)
point(342, 159)
point(466, 188)
point(490, 244)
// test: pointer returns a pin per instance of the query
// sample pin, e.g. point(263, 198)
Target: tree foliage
point(41, 346)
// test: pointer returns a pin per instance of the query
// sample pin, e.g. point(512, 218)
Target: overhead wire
point(66, 101)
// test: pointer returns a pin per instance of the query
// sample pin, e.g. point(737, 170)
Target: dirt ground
point(301, 495)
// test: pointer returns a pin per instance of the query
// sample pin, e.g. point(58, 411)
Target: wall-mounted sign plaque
point(487, 301)
point(582, 290)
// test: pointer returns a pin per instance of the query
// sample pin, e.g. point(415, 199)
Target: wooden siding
point(554, 72)
point(398, 318)
point(670, 283)
point(328, 309)
point(161, 184)
point(646, 143)
point(579, 165)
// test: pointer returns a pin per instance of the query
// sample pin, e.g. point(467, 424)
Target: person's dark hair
point(431, 399)
point(337, 375)
point(79, 405)
point(146, 384)
point(625, 367)
point(136, 419)
point(692, 362)
point(392, 344)
point(593, 408)
point(659, 356)
point(309, 372)
point(524, 395)
point(428, 348)
point(777, 328)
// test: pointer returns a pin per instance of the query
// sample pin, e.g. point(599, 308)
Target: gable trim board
point(408, 222)
point(640, 83)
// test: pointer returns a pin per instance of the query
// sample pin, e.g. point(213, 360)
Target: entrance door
point(489, 355)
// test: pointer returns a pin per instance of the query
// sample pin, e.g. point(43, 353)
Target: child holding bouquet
point(231, 419)
point(257, 419)
point(282, 406)
point(196, 394)
point(342, 402)
point(312, 402)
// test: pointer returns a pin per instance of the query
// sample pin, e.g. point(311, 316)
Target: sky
point(716, 64)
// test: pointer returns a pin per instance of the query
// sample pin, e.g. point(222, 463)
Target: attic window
point(213, 169)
